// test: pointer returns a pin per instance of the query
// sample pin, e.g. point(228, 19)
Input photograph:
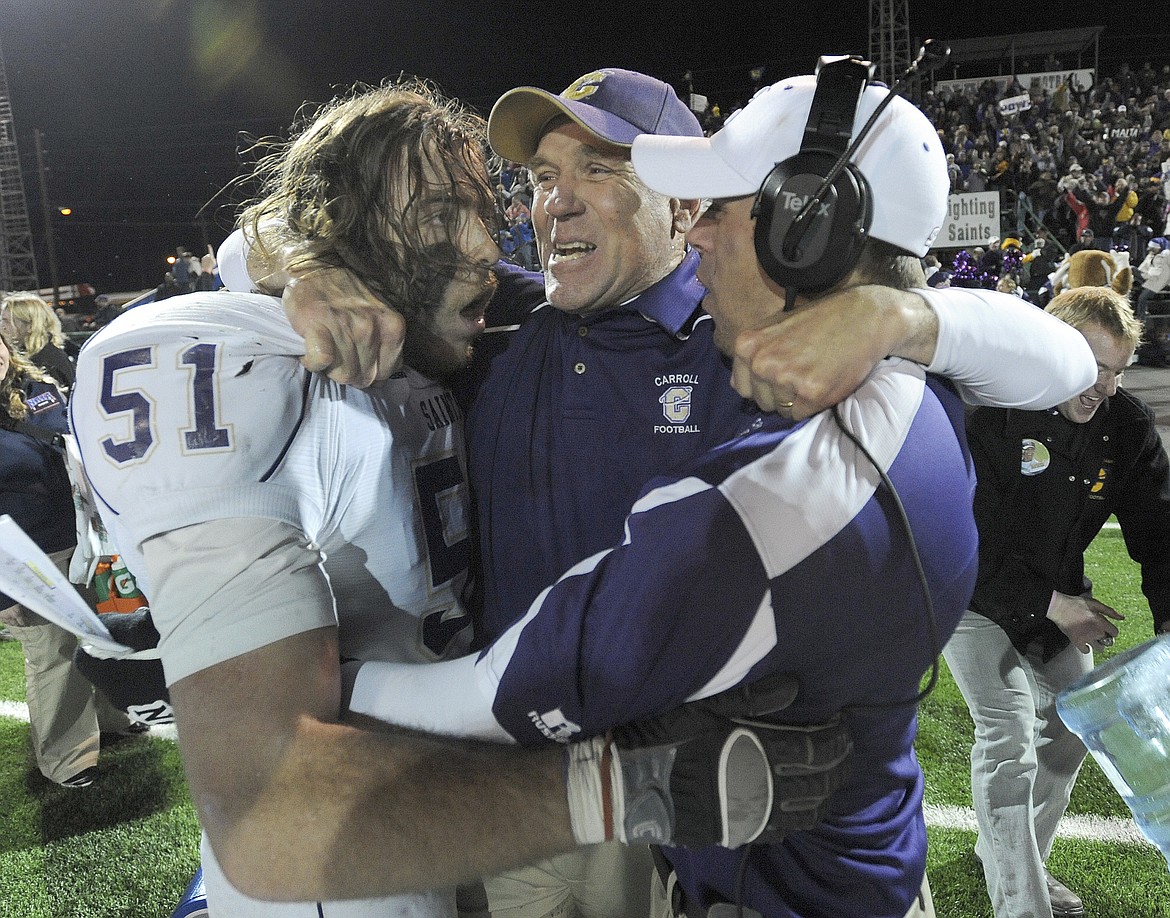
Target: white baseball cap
point(901, 158)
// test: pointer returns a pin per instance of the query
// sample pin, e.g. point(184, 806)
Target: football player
point(280, 521)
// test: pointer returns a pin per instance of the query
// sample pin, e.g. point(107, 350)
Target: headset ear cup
point(821, 251)
point(765, 213)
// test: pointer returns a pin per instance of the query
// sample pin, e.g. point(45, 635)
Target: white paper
point(29, 576)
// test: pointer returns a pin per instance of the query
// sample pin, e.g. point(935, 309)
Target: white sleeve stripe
point(799, 496)
point(495, 659)
point(668, 494)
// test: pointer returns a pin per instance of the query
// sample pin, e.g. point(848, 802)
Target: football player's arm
point(286, 785)
point(299, 803)
point(578, 663)
point(997, 349)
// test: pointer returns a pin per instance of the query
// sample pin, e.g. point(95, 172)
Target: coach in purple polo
point(622, 364)
point(618, 361)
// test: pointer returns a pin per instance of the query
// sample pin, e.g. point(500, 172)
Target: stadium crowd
point(1081, 167)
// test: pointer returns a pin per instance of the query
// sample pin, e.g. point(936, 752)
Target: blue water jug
point(1121, 710)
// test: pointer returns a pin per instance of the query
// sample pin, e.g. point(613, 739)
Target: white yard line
point(15, 710)
point(18, 710)
point(1087, 828)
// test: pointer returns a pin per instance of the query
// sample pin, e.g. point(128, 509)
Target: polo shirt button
point(1072, 477)
point(579, 369)
point(582, 330)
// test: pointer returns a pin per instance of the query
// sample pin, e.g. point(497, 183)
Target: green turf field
point(126, 847)
point(123, 848)
point(1114, 880)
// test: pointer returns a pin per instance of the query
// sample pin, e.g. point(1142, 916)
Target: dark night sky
point(141, 103)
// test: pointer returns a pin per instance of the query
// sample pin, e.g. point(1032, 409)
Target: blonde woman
point(65, 713)
point(32, 327)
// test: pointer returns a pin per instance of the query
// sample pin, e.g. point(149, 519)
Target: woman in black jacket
point(66, 715)
point(31, 327)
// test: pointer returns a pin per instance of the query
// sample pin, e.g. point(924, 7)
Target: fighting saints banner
point(972, 219)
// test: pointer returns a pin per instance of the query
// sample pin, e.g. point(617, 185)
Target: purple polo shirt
point(574, 415)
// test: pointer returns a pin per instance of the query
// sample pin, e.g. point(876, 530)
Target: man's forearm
point(434, 813)
point(299, 806)
point(1001, 351)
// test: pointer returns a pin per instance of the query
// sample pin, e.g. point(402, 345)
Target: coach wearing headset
point(782, 548)
point(760, 254)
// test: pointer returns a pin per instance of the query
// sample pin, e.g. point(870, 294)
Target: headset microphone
point(816, 248)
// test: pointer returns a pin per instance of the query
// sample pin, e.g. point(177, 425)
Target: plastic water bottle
point(1121, 710)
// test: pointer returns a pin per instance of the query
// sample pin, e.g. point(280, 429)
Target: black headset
point(810, 248)
point(814, 210)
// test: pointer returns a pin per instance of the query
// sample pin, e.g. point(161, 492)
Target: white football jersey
point(196, 408)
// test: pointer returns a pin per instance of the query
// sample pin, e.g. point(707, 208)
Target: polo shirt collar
point(673, 301)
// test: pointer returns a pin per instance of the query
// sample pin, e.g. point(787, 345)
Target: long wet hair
point(330, 185)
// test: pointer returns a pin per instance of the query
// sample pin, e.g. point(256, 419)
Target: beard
point(430, 354)
point(430, 328)
point(426, 348)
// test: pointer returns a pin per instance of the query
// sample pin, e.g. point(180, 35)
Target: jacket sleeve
point(1016, 579)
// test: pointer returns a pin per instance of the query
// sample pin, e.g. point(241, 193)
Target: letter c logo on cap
point(583, 87)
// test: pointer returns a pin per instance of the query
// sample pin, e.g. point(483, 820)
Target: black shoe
point(81, 779)
point(128, 732)
point(1065, 903)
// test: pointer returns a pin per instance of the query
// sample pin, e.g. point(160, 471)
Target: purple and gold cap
point(616, 105)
